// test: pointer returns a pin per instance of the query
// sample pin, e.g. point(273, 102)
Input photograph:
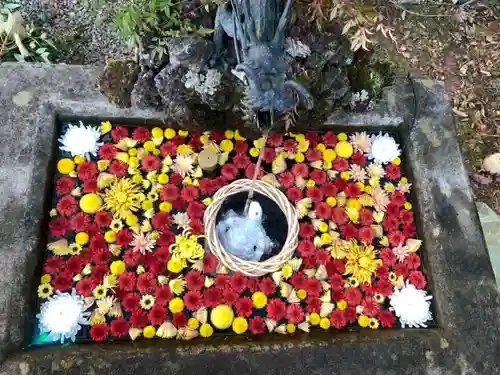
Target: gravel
point(86, 35)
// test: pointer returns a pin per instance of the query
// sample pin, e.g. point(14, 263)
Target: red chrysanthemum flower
point(340, 165)
point(386, 318)
point(119, 327)
point(365, 216)
point(358, 158)
point(126, 281)
point(286, 179)
point(74, 265)
point(384, 287)
point(250, 171)
point(329, 138)
point(353, 296)
point(118, 168)
point(131, 258)
point(63, 281)
point(352, 190)
point(222, 281)
point(209, 263)
point(308, 262)
point(382, 272)
point(99, 332)
point(53, 264)
point(157, 315)
point(229, 171)
point(84, 287)
point(67, 205)
point(195, 141)
point(300, 169)
point(294, 194)
point(387, 256)
point(241, 161)
point(350, 314)
point(131, 302)
point(396, 238)
point(318, 176)
point(267, 286)
point(179, 140)
point(276, 309)
point(161, 221)
point(269, 154)
point(313, 304)
point(212, 297)
point(315, 194)
point(329, 189)
point(306, 248)
point(103, 219)
point(190, 193)
point(412, 261)
point(150, 163)
point(139, 319)
point(238, 282)
point(64, 185)
point(253, 284)
point(168, 148)
point(80, 222)
point(240, 147)
point(338, 319)
point(176, 178)
point(336, 281)
point(179, 320)
point(100, 257)
point(338, 265)
point(217, 135)
point(409, 230)
point(348, 231)
point(123, 237)
point(313, 155)
point(339, 216)
point(393, 171)
point(141, 134)
point(393, 209)
point(119, 133)
point(401, 270)
point(290, 145)
point(366, 235)
point(417, 279)
point(306, 231)
point(90, 186)
point(370, 306)
point(196, 210)
point(274, 139)
point(196, 226)
point(337, 295)
point(244, 307)
point(107, 151)
point(256, 325)
point(146, 283)
point(294, 313)
point(398, 198)
point(87, 171)
point(179, 205)
point(313, 287)
point(323, 210)
point(406, 216)
point(194, 280)
point(163, 295)
point(298, 280)
point(192, 300)
point(230, 296)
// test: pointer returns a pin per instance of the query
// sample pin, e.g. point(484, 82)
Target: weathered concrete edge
point(422, 351)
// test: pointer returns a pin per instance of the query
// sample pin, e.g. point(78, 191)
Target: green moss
point(117, 81)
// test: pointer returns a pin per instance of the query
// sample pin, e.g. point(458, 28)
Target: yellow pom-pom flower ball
point(344, 149)
point(222, 317)
point(117, 267)
point(240, 325)
point(65, 166)
point(90, 203)
point(206, 330)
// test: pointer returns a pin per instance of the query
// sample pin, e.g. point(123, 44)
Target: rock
point(189, 52)
point(145, 94)
point(117, 81)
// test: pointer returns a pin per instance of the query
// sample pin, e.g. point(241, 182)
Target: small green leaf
point(204, 31)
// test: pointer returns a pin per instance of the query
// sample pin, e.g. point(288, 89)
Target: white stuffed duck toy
point(244, 236)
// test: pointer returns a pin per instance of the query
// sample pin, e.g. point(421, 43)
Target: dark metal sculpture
point(258, 34)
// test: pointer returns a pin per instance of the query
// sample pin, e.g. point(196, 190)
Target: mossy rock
point(117, 81)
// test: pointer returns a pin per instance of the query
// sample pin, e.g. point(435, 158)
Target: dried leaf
point(482, 179)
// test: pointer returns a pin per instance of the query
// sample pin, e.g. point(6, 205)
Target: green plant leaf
point(204, 31)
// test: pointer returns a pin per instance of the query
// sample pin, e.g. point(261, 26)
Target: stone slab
point(467, 305)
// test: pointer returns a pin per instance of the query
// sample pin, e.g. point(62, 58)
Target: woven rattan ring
point(252, 268)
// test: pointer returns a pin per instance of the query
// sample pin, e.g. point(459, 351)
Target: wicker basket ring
point(252, 268)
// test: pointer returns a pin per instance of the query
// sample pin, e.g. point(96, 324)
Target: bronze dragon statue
point(258, 33)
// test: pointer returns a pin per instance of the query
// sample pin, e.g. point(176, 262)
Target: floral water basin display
point(127, 256)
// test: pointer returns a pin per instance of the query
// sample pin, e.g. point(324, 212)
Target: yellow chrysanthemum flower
point(122, 198)
point(187, 247)
point(361, 262)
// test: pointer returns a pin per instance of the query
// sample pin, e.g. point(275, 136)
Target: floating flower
point(183, 164)
point(81, 140)
point(142, 242)
point(384, 149)
point(361, 142)
point(361, 262)
point(122, 198)
point(62, 316)
point(411, 305)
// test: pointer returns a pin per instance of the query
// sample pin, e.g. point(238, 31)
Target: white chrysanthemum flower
point(375, 170)
point(183, 165)
point(143, 242)
point(358, 173)
point(384, 149)
point(81, 140)
point(411, 305)
point(181, 219)
point(404, 187)
point(62, 316)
